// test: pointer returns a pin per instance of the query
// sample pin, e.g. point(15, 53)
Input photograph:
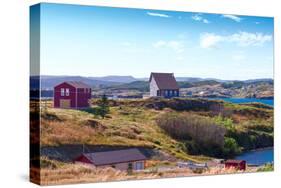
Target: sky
point(101, 41)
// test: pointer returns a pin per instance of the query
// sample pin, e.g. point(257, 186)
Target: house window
point(139, 166)
point(67, 92)
point(62, 91)
point(170, 92)
point(166, 92)
point(176, 93)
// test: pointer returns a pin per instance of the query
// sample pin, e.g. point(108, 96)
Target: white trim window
point(170, 92)
point(62, 91)
point(67, 92)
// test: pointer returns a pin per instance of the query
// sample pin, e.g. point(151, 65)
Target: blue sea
point(258, 157)
point(246, 100)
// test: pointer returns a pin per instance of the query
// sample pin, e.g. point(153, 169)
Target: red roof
point(116, 156)
point(76, 84)
point(164, 80)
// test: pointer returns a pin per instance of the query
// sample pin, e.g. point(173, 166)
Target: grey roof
point(78, 84)
point(234, 161)
point(116, 156)
point(164, 80)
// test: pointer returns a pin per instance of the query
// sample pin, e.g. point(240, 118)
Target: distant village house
point(163, 85)
point(72, 95)
point(124, 159)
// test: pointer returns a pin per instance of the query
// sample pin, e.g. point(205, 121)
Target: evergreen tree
point(103, 106)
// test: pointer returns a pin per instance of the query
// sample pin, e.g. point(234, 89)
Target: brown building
point(163, 85)
point(125, 159)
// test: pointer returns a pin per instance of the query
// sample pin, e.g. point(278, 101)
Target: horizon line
point(136, 77)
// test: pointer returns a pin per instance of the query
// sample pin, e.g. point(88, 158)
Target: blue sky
point(100, 41)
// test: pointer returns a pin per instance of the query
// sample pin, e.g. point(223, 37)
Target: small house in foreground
point(72, 95)
point(163, 85)
point(124, 159)
point(237, 164)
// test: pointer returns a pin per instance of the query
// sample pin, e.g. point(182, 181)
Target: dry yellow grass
point(75, 173)
point(127, 126)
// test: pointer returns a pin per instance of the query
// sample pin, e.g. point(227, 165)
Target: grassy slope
point(128, 125)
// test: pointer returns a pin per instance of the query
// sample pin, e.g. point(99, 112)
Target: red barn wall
point(57, 95)
point(83, 96)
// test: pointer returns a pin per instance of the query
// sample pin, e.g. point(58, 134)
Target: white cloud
point(199, 18)
point(211, 40)
point(206, 21)
point(257, 23)
point(158, 14)
point(232, 17)
point(177, 46)
point(247, 39)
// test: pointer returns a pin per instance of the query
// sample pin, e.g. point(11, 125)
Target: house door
point(65, 103)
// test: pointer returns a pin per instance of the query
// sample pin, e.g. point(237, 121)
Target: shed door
point(65, 103)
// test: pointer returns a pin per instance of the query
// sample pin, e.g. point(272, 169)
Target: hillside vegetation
point(188, 129)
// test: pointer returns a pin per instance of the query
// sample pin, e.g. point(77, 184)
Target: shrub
point(103, 106)
point(230, 148)
point(224, 122)
point(202, 130)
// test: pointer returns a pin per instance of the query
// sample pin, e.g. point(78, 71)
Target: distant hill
point(48, 82)
point(119, 79)
point(141, 84)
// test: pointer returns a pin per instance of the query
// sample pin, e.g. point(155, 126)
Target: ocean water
point(247, 100)
point(258, 157)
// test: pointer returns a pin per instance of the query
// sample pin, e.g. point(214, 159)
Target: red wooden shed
point(238, 164)
point(72, 94)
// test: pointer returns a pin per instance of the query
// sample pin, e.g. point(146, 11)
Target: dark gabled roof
point(164, 80)
point(113, 157)
point(77, 84)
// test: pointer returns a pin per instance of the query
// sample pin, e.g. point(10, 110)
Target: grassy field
point(74, 173)
point(134, 123)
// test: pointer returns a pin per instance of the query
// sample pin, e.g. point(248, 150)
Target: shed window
point(62, 91)
point(67, 92)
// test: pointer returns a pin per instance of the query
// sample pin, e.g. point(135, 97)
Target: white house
point(163, 85)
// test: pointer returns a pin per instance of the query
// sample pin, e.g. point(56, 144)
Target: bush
point(224, 122)
point(103, 108)
point(231, 148)
point(186, 126)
